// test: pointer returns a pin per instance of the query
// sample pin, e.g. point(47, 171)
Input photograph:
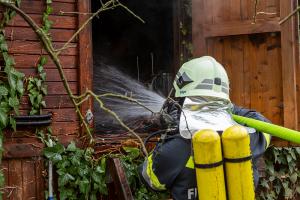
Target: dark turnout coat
point(169, 166)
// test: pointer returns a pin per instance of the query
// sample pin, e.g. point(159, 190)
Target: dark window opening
point(143, 51)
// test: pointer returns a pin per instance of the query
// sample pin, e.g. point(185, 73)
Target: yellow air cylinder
point(209, 165)
point(238, 166)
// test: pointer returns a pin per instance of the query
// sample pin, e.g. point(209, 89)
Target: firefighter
point(202, 102)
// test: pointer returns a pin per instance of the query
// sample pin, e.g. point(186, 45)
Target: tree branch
point(107, 6)
point(289, 16)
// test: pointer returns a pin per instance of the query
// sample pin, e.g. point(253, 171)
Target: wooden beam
point(288, 42)
point(199, 42)
point(85, 54)
point(241, 27)
point(122, 188)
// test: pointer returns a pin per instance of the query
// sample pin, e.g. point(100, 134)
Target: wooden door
point(258, 53)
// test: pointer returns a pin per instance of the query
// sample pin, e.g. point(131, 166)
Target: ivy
point(130, 161)
point(37, 88)
point(80, 176)
point(282, 180)
point(11, 84)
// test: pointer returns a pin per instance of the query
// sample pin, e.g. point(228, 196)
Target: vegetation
point(282, 180)
point(80, 174)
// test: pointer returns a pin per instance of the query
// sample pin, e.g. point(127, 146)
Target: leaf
point(84, 186)
point(71, 147)
point(3, 119)
point(64, 179)
point(49, 9)
point(294, 177)
point(12, 122)
point(289, 158)
point(12, 80)
point(44, 90)
point(30, 84)
point(18, 74)
point(43, 76)
point(43, 104)
point(67, 193)
point(20, 87)
point(33, 112)
point(298, 189)
point(133, 152)
point(3, 91)
point(39, 99)
point(13, 101)
point(3, 47)
point(43, 61)
point(54, 153)
point(93, 196)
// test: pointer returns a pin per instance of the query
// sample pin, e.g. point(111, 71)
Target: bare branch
point(107, 6)
point(255, 11)
point(289, 16)
point(126, 98)
point(49, 48)
point(119, 120)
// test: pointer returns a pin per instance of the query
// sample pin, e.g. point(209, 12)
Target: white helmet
point(202, 76)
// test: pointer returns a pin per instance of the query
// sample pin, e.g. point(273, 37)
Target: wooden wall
point(259, 56)
point(248, 61)
point(22, 164)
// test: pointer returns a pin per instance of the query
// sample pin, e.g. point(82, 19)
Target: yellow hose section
point(239, 176)
point(207, 150)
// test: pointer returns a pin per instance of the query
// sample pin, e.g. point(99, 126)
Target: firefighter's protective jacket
point(171, 167)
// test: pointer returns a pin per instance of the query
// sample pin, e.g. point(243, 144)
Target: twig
point(49, 48)
point(103, 8)
point(107, 6)
point(54, 56)
point(77, 13)
point(266, 13)
point(126, 98)
point(132, 13)
point(120, 121)
point(255, 11)
point(289, 16)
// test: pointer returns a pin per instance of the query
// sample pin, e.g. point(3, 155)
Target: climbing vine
point(82, 176)
point(11, 84)
point(37, 88)
point(282, 178)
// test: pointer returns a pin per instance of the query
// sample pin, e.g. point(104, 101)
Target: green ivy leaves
point(130, 161)
point(282, 179)
point(79, 175)
point(37, 88)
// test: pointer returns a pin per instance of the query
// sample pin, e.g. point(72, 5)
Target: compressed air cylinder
point(209, 165)
point(238, 166)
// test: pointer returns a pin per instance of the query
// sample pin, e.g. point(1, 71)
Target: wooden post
point(288, 41)
point(199, 41)
point(85, 54)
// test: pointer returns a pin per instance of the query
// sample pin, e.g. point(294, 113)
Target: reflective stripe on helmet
point(202, 76)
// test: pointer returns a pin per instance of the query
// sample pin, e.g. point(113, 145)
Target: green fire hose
point(274, 130)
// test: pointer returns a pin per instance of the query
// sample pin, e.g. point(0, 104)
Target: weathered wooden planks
point(253, 64)
point(85, 56)
point(24, 178)
point(27, 34)
point(288, 42)
point(261, 63)
point(29, 61)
